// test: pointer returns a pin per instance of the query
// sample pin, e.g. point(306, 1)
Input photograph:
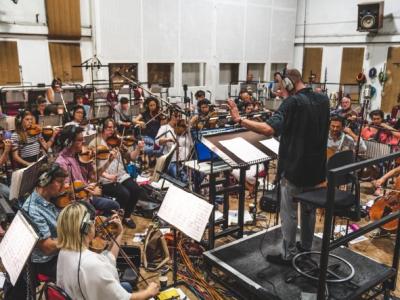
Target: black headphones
point(19, 116)
point(88, 217)
point(69, 136)
point(47, 176)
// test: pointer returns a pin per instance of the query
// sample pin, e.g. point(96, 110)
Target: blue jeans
point(180, 175)
point(127, 286)
point(149, 144)
point(105, 204)
point(4, 191)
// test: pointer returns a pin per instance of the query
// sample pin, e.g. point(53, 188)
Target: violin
point(47, 131)
point(68, 196)
point(87, 154)
point(208, 121)
point(113, 141)
point(103, 229)
point(102, 152)
point(180, 127)
point(34, 130)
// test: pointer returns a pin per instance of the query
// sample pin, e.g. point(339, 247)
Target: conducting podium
point(238, 149)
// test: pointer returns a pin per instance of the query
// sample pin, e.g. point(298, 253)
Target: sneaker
point(129, 223)
point(278, 259)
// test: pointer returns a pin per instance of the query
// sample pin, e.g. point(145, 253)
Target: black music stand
point(214, 142)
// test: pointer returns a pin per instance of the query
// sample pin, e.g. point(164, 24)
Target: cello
point(385, 205)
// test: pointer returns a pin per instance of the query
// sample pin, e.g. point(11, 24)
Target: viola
point(34, 130)
point(76, 191)
point(113, 141)
point(205, 120)
point(102, 152)
point(103, 229)
point(86, 156)
point(181, 127)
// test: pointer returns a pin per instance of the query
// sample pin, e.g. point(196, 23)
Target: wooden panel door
point(64, 19)
point(9, 63)
point(63, 57)
point(312, 64)
point(391, 89)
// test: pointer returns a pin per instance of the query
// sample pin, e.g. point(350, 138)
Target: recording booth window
point(255, 72)
point(161, 74)
point(276, 67)
point(228, 72)
point(193, 74)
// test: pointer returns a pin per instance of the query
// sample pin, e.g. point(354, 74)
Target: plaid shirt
point(44, 214)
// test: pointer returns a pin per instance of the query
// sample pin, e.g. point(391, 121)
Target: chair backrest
point(341, 159)
point(162, 164)
point(54, 292)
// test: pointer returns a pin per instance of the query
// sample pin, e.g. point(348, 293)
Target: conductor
point(302, 122)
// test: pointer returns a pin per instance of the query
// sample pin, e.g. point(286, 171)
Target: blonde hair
point(69, 222)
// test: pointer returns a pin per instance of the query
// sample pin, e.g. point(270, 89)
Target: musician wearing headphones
point(202, 120)
point(115, 180)
point(71, 138)
point(244, 97)
point(27, 145)
point(302, 122)
point(342, 138)
point(84, 274)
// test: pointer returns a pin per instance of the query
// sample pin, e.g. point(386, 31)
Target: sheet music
point(16, 178)
point(186, 212)
point(272, 144)
point(17, 245)
point(243, 149)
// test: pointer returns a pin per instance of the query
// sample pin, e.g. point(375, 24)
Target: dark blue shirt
point(302, 121)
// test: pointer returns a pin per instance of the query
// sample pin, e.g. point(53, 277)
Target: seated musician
point(345, 108)
point(199, 95)
point(113, 176)
point(244, 97)
point(4, 157)
point(40, 109)
point(56, 87)
point(97, 273)
point(43, 213)
point(150, 121)
point(78, 115)
point(71, 138)
point(27, 143)
point(122, 115)
point(167, 137)
point(342, 138)
point(380, 131)
point(202, 120)
point(79, 101)
point(382, 180)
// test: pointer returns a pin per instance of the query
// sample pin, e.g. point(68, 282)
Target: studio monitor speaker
point(370, 16)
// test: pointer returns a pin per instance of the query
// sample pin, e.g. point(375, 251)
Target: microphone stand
point(364, 110)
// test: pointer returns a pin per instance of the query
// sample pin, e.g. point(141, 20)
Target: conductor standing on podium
point(302, 122)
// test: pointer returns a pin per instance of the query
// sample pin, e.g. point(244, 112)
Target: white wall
point(332, 25)
point(207, 31)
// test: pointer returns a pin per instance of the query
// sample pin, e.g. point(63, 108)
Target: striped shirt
point(26, 149)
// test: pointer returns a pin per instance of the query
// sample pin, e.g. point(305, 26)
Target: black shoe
point(129, 223)
point(300, 248)
point(278, 259)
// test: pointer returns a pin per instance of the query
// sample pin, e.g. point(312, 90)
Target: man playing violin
point(202, 120)
point(42, 211)
point(71, 138)
point(122, 115)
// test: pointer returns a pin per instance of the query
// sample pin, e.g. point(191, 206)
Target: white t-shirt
point(98, 276)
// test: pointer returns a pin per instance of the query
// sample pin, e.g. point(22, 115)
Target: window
point(115, 70)
point(63, 57)
point(161, 74)
point(276, 67)
point(228, 73)
point(193, 74)
point(9, 63)
point(255, 72)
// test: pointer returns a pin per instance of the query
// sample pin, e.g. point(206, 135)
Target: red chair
point(41, 278)
point(54, 292)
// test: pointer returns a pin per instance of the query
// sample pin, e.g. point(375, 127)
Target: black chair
point(346, 205)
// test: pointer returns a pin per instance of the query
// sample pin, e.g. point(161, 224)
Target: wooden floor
point(380, 249)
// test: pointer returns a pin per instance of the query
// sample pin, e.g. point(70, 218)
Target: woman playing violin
point(380, 131)
point(115, 180)
point(27, 140)
point(71, 138)
point(98, 276)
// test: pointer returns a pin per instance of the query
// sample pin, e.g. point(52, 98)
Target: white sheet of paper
point(243, 149)
point(272, 144)
point(16, 246)
point(186, 212)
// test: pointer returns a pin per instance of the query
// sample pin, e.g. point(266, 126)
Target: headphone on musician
point(48, 173)
point(68, 135)
point(287, 83)
point(19, 117)
point(88, 217)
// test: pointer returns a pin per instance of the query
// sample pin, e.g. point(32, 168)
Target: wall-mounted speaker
point(370, 16)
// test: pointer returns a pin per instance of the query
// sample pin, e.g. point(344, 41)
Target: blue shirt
point(44, 214)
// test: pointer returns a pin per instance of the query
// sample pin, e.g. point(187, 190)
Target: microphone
point(367, 91)
point(185, 87)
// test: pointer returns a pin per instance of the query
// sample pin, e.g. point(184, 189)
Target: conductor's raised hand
point(233, 110)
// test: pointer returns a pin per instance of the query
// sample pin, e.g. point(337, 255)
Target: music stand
point(187, 213)
point(239, 148)
point(52, 120)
